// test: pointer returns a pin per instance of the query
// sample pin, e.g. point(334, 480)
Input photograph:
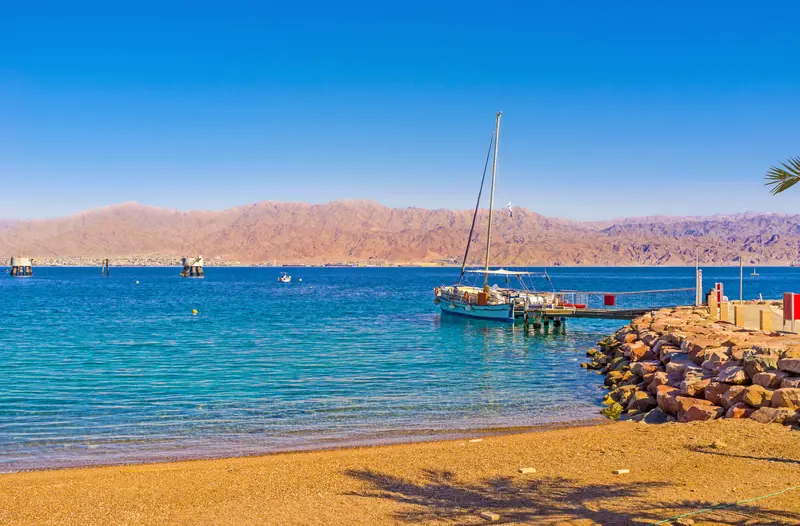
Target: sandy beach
point(674, 469)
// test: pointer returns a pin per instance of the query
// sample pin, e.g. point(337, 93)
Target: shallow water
point(103, 370)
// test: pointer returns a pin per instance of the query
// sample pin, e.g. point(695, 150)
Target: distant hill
point(365, 231)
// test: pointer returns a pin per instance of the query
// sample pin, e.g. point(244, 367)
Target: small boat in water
point(487, 302)
point(754, 274)
point(284, 278)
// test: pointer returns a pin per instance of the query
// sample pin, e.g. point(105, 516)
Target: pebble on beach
point(490, 516)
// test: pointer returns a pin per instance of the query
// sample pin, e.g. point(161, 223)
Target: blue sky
point(609, 108)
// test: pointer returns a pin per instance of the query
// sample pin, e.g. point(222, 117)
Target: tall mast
point(491, 197)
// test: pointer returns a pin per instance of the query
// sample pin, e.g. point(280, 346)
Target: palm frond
point(783, 178)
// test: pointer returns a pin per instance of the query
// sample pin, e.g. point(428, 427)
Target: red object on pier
point(609, 300)
point(720, 295)
point(791, 306)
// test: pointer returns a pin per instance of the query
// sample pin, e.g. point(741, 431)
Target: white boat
point(484, 302)
point(754, 273)
point(284, 278)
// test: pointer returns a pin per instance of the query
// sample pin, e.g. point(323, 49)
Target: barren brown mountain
point(364, 231)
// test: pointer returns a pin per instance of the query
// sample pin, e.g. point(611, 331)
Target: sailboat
point(495, 302)
point(754, 274)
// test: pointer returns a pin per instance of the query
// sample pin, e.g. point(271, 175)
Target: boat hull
point(504, 312)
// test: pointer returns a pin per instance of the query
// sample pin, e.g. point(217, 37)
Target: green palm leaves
point(784, 178)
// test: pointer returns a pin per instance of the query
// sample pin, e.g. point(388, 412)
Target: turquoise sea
point(100, 370)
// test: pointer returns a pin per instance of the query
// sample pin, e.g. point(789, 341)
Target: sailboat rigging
point(491, 303)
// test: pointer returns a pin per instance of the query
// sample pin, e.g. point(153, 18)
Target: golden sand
point(674, 469)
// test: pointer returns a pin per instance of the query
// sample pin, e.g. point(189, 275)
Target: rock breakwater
point(684, 365)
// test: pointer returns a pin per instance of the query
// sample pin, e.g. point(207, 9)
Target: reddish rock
point(649, 338)
point(630, 337)
point(634, 351)
point(732, 374)
point(768, 415)
point(758, 363)
point(790, 365)
point(790, 382)
point(715, 361)
point(685, 402)
point(714, 392)
point(740, 410)
point(737, 354)
point(666, 397)
point(769, 379)
point(756, 396)
point(642, 401)
point(659, 378)
point(695, 387)
point(732, 396)
point(788, 397)
point(644, 368)
point(701, 412)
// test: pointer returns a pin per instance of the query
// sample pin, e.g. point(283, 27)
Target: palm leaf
point(783, 178)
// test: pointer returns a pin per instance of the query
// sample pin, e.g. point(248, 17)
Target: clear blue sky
point(610, 108)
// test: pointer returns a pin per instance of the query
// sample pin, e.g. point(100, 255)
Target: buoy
point(137, 282)
point(194, 311)
point(300, 280)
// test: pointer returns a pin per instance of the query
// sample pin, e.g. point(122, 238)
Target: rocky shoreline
point(684, 365)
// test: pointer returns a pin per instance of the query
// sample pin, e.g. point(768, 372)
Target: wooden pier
point(608, 305)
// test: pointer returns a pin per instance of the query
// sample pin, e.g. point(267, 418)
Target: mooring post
point(713, 308)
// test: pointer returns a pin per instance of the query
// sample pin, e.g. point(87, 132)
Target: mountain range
point(367, 232)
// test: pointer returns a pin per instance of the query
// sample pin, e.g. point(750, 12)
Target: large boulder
point(714, 392)
point(642, 401)
point(790, 381)
point(701, 412)
point(788, 397)
point(656, 416)
point(734, 395)
point(644, 368)
point(732, 374)
point(695, 387)
point(757, 396)
point(635, 351)
point(715, 361)
point(768, 415)
point(613, 378)
point(790, 365)
point(754, 363)
point(740, 410)
point(770, 379)
point(659, 378)
point(613, 411)
point(667, 399)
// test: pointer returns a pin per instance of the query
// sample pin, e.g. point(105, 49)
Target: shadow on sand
point(440, 497)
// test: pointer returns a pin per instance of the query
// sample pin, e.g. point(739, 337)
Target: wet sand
point(674, 469)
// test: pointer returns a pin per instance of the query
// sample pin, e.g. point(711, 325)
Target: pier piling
point(192, 267)
point(21, 267)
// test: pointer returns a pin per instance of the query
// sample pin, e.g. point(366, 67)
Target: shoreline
point(446, 482)
point(397, 438)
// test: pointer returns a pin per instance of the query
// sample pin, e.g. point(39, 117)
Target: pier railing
point(626, 301)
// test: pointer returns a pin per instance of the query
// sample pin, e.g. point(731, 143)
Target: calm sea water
point(104, 370)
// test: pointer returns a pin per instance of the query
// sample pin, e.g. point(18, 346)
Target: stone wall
point(682, 364)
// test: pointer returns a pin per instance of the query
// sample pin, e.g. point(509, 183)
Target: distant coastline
point(366, 233)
